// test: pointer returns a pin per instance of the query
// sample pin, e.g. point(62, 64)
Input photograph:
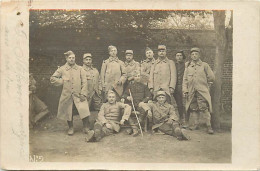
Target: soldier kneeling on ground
point(163, 116)
point(108, 121)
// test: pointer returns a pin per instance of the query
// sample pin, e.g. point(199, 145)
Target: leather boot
point(85, 124)
point(71, 130)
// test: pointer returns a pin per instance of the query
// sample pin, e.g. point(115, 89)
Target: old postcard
point(144, 85)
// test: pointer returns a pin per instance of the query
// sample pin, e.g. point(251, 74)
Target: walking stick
point(135, 112)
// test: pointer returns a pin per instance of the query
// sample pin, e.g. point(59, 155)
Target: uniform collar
point(164, 105)
point(85, 67)
point(69, 67)
point(111, 59)
point(198, 63)
point(148, 61)
point(164, 60)
point(130, 63)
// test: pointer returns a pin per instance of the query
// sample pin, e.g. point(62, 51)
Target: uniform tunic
point(145, 69)
point(196, 79)
point(93, 80)
point(110, 114)
point(160, 113)
point(112, 71)
point(163, 75)
point(74, 83)
point(131, 67)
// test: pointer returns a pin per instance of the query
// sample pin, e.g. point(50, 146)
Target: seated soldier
point(37, 108)
point(108, 120)
point(140, 93)
point(163, 116)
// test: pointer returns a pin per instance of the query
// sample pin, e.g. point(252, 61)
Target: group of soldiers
point(157, 92)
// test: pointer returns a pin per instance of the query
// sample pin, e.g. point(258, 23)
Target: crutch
point(135, 112)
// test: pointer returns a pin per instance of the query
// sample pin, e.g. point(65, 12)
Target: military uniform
point(140, 93)
point(109, 117)
point(163, 76)
point(197, 77)
point(74, 82)
point(112, 71)
point(94, 86)
point(131, 67)
point(164, 117)
point(145, 69)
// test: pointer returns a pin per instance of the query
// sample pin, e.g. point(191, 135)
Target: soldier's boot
point(71, 130)
point(90, 136)
point(85, 125)
point(194, 119)
point(207, 116)
point(135, 132)
point(129, 131)
point(181, 134)
point(97, 131)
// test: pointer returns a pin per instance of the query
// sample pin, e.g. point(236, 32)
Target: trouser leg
point(194, 113)
point(171, 100)
point(174, 129)
point(96, 102)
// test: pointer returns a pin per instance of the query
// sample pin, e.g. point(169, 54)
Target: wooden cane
point(135, 112)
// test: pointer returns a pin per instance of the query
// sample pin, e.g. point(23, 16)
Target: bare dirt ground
point(50, 140)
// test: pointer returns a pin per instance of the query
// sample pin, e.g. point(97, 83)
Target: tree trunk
point(221, 42)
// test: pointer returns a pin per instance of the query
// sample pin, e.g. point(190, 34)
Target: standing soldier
point(146, 65)
point(113, 74)
point(163, 76)
point(198, 77)
point(93, 82)
point(131, 65)
point(180, 65)
point(73, 79)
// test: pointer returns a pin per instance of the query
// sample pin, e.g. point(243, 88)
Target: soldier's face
point(161, 99)
point(162, 53)
point(111, 97)
point(149, 54)
point(113, 52)
point(137, 77)
point(87, 61)
point(195, 56)
point(71, 60)
point(179, 57)
point(129, 57)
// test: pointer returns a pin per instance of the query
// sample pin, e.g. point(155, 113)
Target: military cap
point(148, 49)
point(129, 52)
point(87, 55)
point(69, 53)
point(111, 47)
point(161, 47)
point(195, 49)
point(160, 93)
point(110, 92)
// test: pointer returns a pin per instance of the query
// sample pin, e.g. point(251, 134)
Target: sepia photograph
point(130, 86)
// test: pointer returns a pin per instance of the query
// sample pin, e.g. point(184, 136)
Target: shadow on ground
point(49, 139)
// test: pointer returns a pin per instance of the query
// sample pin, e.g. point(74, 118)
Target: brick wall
point(47, 48)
